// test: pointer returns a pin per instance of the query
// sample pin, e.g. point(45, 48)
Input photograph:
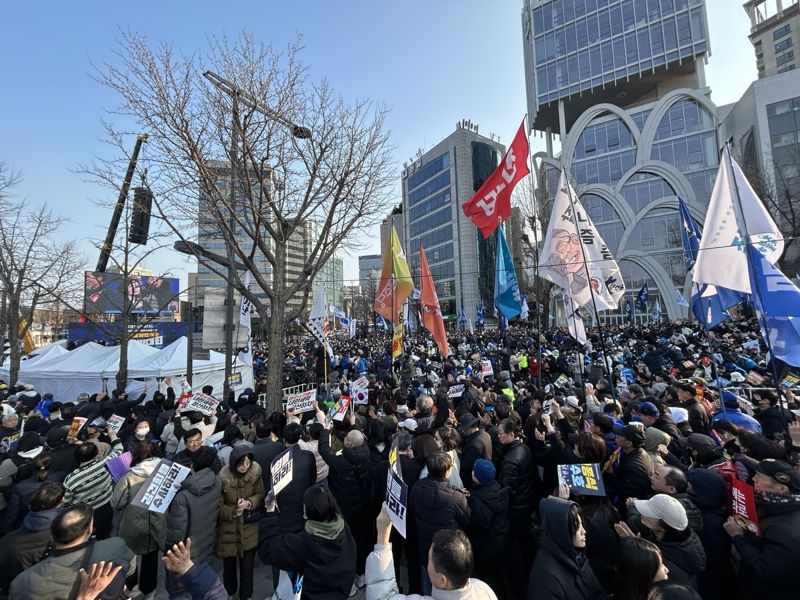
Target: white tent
point(90, 367)
point(44, 353)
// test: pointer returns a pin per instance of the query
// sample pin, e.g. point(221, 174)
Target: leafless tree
point(201, 138)
point(35, 268)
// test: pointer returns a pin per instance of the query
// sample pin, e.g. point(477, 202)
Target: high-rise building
point(774, 25)
point(623, 84)
point(393, 219)
point(332, 273)
point(435, 185)
point(369, 272)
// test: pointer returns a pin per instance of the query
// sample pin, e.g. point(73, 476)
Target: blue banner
point(506, 289)
point(155, 334)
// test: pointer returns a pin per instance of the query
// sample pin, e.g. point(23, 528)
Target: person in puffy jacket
point(242, 490)
point(193, 514)
point(324, 551)
point(143, 530)
point(488, 525)
point(561, 570)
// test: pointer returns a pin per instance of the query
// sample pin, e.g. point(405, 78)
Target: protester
point(489, 528)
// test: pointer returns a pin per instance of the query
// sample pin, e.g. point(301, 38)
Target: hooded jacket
point(349, 476)
point(685, 560)
point(143, 530)
point(24, 547)
point(516, 473)
point(193, 513)
point(488, 523)
point(435, 505)
point(234, 536)
point(560, 571)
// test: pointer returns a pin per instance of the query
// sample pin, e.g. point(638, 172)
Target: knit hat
point(484, 471)
point(730, 400)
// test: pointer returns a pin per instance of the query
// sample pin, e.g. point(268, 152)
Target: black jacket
point(290, 498)
point(328, 565)
point(435, 505)
point(24, 547)
point(632, 479)
point(488, 523)
point(698, 417)
point(264, 452)
point(517, 475)
point(685, 560)
point(560, 571)
point(773, 422)
point(349, 478)
point(193, 513)
point(424, 422)
point(184, 457)
point(769, 563)
point(477, 445)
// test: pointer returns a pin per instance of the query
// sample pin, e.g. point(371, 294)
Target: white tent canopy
point(91, 367)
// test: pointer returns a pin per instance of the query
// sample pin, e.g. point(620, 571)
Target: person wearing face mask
point(561, 570)
point(142, 530)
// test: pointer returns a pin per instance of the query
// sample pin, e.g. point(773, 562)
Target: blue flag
point(381, 322)
point(629, 308)
point(479, 310)
point(679, 299)
point(506, 289)
point(642, 297)
point(777, 301)
point(503, 322)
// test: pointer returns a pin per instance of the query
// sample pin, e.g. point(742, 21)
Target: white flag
point(679, 299)
point(318, 319)
point(574, 321)
point(246, 307)
point(352, 328)
point(524, 313)
point(656, 313)
point(571, 236)
point(722, 257)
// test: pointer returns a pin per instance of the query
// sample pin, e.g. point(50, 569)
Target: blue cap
point(484, 471)
point(648, 409)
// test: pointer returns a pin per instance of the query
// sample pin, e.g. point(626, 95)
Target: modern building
point(623, 85)
point(435, 185)
point(764, 129)
point(369, 271)
point(393, 219)
point(774, 25)
point(332, 273)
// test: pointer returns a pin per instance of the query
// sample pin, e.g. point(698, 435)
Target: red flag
point(431, 312)
point(491, 204)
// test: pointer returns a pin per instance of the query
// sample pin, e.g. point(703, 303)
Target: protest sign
point(455, 391)
point(744, 506)
point(584, 479)
point(361, 382)
point(115, 423)
point(755, 378)
point(234, 380)
point(119, 465)
point(561, 381)
point(396, 493)
point(790, 381)
point(341, 411)
point(302, 401)
point(202, 402)
point(77, 424)
point(282, 467)
point(160, 488)
point(751, 345)
point(486, 368)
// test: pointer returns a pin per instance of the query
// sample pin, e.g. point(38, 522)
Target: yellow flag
point(397, 341)
point(395, 284)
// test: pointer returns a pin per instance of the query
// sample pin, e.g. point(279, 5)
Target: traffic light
point(140, 220)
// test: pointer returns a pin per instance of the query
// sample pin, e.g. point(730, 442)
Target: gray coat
point(194, 512)
point(143, 530)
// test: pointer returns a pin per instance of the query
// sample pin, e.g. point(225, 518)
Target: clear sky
point(432, 62)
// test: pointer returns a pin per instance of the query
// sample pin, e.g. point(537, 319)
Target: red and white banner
point(744, 506)
point(491, 204)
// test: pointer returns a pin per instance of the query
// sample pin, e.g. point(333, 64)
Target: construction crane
point(105, 250)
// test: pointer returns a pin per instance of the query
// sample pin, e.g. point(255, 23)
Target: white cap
point(666, 508)
point(409, 424)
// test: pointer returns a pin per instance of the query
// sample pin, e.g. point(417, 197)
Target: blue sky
point(432, 62)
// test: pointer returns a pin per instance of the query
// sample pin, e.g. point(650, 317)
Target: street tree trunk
point(13, 320)
point(277, 325)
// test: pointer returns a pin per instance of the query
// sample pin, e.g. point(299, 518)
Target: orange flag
point(431, 313)
point(396, 283)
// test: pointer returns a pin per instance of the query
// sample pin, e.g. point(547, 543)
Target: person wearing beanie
point(489, 524)
point(730, 411)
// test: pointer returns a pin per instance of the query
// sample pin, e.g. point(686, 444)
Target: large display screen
point(103, 293)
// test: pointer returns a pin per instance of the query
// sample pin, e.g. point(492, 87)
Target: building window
point(781, 31)
point(784, 58)
point(782, 45)
point(784, 69)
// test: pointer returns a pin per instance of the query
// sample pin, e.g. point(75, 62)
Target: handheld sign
point(755, 378)
point(396, 493)
point(341, 411)
point(455, 391)
point(744, 506)
point(790, 381)
point(202, 402)
point(361, 382)
point(76, 426)
point(119, 465)
point(160, 488)
point(115, 423)
point(585, 479)
point(235, 379)
point(302, 401)
point(282, 467)
point(486, 368)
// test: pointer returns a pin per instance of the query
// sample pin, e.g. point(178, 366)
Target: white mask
point(142, 432)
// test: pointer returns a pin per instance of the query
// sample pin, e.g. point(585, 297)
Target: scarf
point(329, 530)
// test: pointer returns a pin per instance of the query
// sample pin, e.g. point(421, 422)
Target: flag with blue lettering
point(525, 310)
point(679, 299)
point(656, 312)
point(506, 288)
point(642, 297)
point(381, 322)
point(629, 308)
point(479, 311)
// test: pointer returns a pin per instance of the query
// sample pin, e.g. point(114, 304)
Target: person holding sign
point(324, 551)
point(237, 536)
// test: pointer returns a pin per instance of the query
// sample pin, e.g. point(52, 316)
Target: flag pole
point(536, 274)
point(754, 292)
point(606, 367)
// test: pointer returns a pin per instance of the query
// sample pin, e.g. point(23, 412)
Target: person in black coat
point(304, 475)
point(350, 482)
point(632, 476)
point(489, 526)
point(561, 570)
point(265, 449)
point(477, 444)
point(324, 551)
point(698, 416)
point(62, 454)
point(772, 417)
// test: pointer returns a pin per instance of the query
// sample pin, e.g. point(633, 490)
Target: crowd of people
point(676, 419)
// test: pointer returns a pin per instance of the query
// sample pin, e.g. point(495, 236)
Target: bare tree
point(202, 138)
point(35, 268)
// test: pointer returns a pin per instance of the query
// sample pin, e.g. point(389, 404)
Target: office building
point(623, 85)
point(393, 219)
point(369, 272)
point(435, 185)
point(332, 273)
point(774, 25)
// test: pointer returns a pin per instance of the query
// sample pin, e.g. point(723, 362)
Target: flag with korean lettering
point(491, 204)
point(584, 479)
point(574, 255)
